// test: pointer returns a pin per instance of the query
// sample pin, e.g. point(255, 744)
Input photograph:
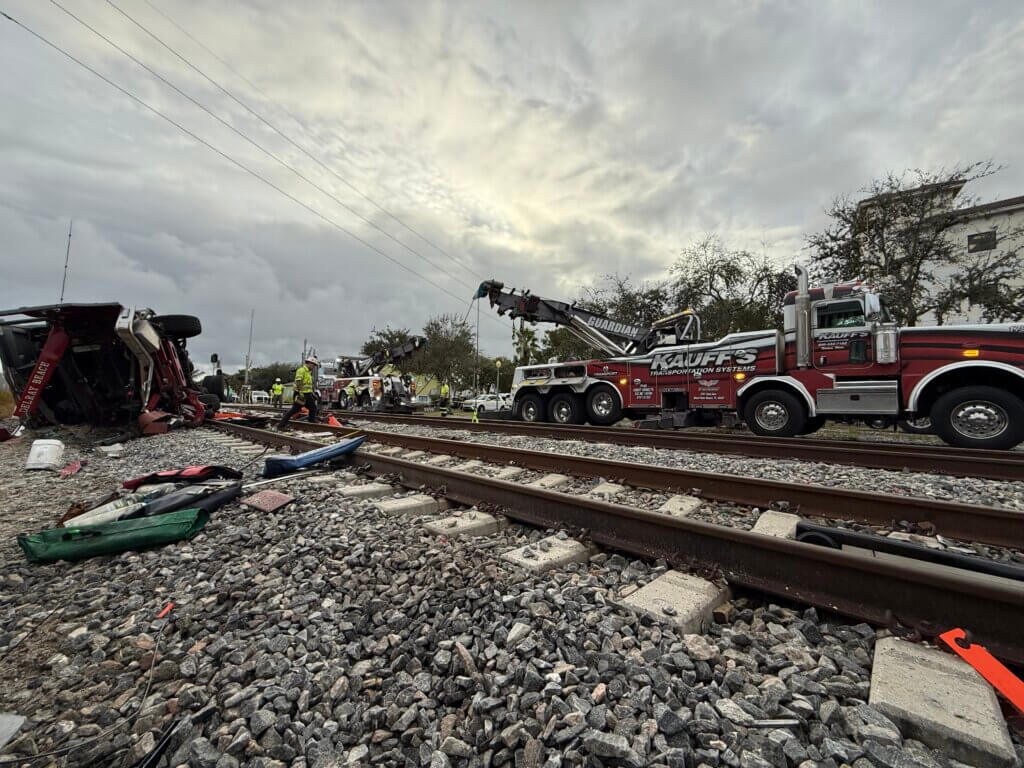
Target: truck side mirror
point(872, 306)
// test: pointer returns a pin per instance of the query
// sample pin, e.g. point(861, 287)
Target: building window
point(981, 241)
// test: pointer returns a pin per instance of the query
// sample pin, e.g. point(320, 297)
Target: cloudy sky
point(543, 144)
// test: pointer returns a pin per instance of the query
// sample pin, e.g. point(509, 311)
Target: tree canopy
point(900, 233)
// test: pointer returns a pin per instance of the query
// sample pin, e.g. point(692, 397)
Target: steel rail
point(882, 592)
point(959, 462)
point(987, 525)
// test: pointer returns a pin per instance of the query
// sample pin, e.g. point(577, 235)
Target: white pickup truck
point(482, 403)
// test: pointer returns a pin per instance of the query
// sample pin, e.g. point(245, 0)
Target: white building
point(994, 226)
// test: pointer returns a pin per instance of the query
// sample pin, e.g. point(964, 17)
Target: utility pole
point(67, 255)
point(476, 373)
point(248, 354)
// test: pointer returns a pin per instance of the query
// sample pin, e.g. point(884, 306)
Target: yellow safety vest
point(303, 380)
point(444, 390)
point(277, 389)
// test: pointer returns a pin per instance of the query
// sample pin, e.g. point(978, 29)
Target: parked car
point(260, 396)
point(481, 403)
point(103, 364)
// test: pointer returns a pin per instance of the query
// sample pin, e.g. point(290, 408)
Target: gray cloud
point(543, 144)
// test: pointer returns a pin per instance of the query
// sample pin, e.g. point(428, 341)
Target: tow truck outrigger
point(838, 355)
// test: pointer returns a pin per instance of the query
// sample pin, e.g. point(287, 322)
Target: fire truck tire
point(813, 425)
point(179, 326)
point(979, 417)
point(364, 400)
point(531, 408)
point(775, 413)
point(603, 408)
point(565, 408)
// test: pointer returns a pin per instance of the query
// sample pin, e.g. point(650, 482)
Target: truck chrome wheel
point(979, 419)
point(562, 412)
point(531, 412)
point(603, 404)
point(771, 415)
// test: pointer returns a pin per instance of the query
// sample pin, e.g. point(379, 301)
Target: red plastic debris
point(987, 665)
point(73, 468)
point(166, 610)
point(268, 501)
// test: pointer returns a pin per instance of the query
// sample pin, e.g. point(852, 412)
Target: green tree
point(449, 353)
point(729, 290)
point(384, 340)
point(904, 234)
point(562, 344)
point(263, 376)
point(489, 372)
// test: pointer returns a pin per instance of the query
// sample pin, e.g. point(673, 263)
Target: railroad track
point(989, 525)
point(993, 465)
point(893, 593)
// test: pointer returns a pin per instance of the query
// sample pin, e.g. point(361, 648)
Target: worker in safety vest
point(276, 392)
point(444, 394)
point(304, 395)
point(350, 394)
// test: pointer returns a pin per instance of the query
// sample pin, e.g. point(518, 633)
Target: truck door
point(841, 337)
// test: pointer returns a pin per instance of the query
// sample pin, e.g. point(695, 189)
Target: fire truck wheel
point(364, 400)
point(603, 406)
point(775, 413)
point(565, 408)
point(979, 417)
point(179, 326)
point(531, 408)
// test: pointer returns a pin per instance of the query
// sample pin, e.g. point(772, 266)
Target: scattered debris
point(115, 451)
point(45, 454)
point(81, 542)
point(72, 469)
point(268, 501)
point(283, 465)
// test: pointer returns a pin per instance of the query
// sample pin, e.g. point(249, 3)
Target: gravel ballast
point(328, 635)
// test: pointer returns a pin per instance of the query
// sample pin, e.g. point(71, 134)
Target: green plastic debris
point(82, 541)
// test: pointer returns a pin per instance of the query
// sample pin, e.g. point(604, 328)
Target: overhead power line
point(286, 111)
point(238, 164)
point(252, 141)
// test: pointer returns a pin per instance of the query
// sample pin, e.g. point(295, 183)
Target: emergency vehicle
point(838, 356)
point(374, 390)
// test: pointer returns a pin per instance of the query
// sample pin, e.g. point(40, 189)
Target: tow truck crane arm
point(610, 336)
point(365, 366)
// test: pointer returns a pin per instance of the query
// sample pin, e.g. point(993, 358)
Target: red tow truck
point(837, 356)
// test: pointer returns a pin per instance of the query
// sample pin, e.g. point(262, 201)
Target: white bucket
point(45, 454)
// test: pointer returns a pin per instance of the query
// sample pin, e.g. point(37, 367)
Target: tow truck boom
point(349, 367)
point(610, 336)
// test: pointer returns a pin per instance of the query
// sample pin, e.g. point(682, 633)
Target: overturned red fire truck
point(837, 356)
point(104, 364)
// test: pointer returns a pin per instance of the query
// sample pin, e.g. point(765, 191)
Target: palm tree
point(527, 346)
